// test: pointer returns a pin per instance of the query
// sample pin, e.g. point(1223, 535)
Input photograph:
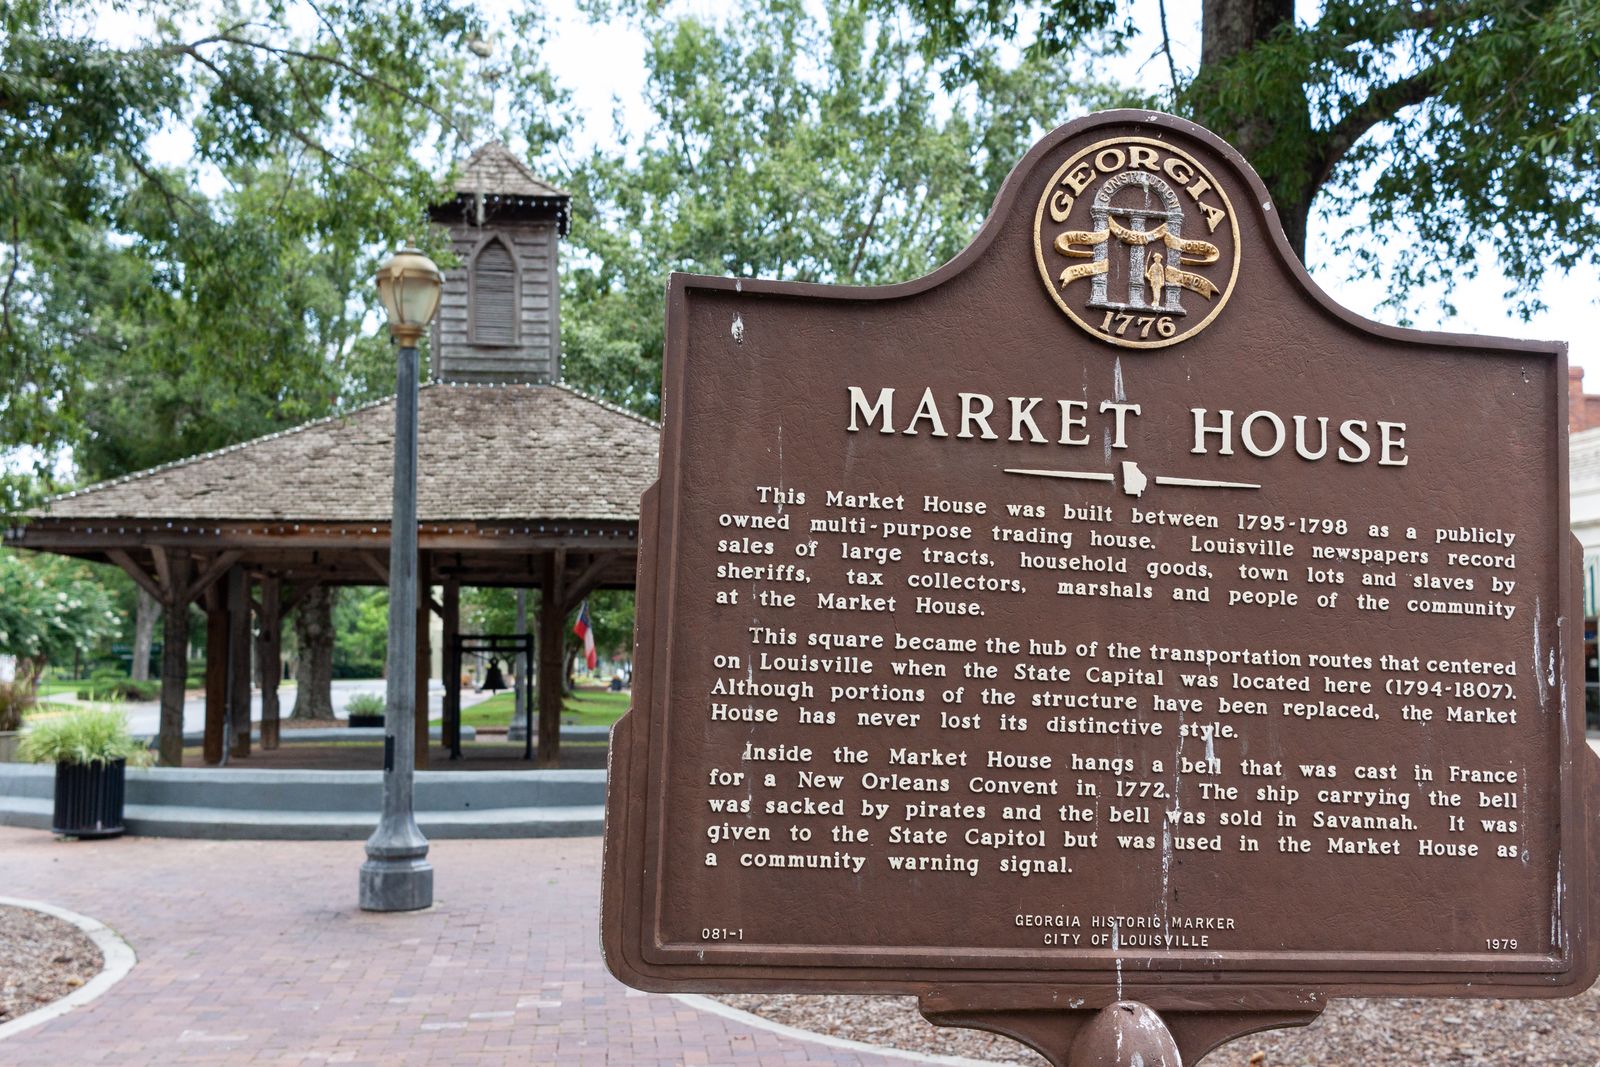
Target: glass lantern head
point(409, 285)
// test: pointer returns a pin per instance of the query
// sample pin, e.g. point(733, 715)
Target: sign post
point(1104, 638)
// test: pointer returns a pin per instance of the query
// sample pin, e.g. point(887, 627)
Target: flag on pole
point(585, 631)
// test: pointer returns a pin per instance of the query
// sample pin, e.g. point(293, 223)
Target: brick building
point(1583, 409)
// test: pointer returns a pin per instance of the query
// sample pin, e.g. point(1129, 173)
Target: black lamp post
point(397, 875)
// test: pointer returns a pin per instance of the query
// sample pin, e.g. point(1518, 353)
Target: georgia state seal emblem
point(1137, 242)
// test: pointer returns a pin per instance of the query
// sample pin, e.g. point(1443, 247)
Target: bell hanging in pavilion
point(494, 681)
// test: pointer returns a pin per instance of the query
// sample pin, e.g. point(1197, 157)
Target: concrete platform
point(317, 805)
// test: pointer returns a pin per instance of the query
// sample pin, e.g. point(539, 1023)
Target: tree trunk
point(144, 629)
point(1274, 131)
point(313, 674)
point(1229, 28)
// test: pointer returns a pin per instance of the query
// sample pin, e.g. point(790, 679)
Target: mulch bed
point(1417, 1033)
point(42, 958)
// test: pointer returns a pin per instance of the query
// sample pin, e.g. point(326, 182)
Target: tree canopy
point(1458, 123)
point(193, 195)
point(787, 144)
point(150, 309)
point(156, 301)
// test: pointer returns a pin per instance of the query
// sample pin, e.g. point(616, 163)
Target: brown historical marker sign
point(1107, 616)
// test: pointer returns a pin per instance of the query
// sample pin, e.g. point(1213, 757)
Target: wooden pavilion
point(522, 482)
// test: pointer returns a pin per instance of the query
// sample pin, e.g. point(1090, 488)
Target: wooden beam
point(424, 664)
point(269, 652)
point(292, 601)
point(239, 662)
point(164, 572)
point(522, 702)
point(95, 535)
point(140, 576)
point(585, 583)
point(215, 569)
point(552, 659)
point(174, 668)
point(451, 615)
point(216, 678)
point(377, 566)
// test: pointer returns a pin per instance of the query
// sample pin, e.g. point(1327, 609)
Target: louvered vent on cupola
point(499, 315)
point(492, 307)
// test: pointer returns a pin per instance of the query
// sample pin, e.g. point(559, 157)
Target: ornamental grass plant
point(86, 738)
point(366, 704)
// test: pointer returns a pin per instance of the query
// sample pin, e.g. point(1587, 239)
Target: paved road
point(144, 717)
point(254, 952)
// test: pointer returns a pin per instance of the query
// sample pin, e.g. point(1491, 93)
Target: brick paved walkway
point(254, 952)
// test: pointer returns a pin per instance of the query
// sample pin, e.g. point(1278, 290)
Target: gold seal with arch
point(1137, 242)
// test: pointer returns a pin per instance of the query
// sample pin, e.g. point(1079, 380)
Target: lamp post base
point(396, 885)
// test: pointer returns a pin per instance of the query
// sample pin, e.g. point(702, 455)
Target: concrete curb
point(265, 804)
point(716, 1007)
point(117, 959)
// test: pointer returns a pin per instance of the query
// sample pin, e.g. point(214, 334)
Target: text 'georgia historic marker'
point(1106, 615)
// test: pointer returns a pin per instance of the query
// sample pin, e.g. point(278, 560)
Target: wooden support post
point(552, 665)
point(270, 655)
point(174, 657)
point(424, 655)
point(238, 593)
point(452, 667)
point(522, 702)
point(216, 673)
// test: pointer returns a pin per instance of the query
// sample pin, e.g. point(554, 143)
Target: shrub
point(111, 685)
point(15, 699)
point(86, 737)
point(366, 704)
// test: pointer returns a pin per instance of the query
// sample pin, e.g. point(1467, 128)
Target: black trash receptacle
point(89, 799)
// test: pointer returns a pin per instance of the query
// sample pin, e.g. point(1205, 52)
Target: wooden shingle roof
point(485, 453)
point(493, 170)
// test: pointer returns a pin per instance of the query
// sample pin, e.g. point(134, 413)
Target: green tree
point(611, 613)
point(361, 621)
point(52, 607)
point(791, 146)
point(1465, 122)
point(151, 308)
point(493, 610)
